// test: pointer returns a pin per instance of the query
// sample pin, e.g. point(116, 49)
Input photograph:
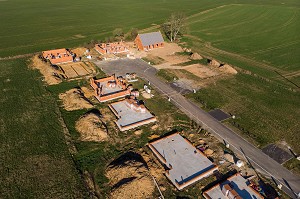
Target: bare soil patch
point(91, 128)
point(228, 69)
point(74, 100)
point(129, 177)
point(195, 56)
point(88, 92)
point(155, 60)
point(46, 69)
point(167, 53)
point(76, 69)
point(201, 71)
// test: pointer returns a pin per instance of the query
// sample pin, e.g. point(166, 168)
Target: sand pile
point(227, 69)
point(129, 177)
point(196, 56)
point(47, 70)
point(91, 128)
point(74, 100)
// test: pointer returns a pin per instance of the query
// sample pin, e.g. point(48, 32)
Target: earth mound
point(196, 56)
point(74, 100)
point(80, 51)
point(129, 177)
point(228, 69)
point(50, 74)
point(91, 128)
point(215, 63)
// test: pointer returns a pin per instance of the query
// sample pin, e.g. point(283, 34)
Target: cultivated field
point(35, 161)
point(37, 26)
point(262, 39)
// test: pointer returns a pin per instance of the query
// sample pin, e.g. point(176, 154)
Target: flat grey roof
point(127, 115)
point(239, 184)
point(186, 162)
point(151, 38)
point(110, 90)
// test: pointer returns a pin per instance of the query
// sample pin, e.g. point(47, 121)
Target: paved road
point(259, 160)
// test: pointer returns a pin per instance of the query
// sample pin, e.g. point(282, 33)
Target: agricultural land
point(44, 153)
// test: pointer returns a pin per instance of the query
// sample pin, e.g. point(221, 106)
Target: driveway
point(259, 160)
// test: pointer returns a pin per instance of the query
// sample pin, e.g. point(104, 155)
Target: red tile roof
point(58, 56)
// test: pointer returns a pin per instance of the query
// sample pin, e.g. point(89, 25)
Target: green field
point(265, 112)
point(28, 26)
point(259, 36)
point(35, 161)
point(261, 39)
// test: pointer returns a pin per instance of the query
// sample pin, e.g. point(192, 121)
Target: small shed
point(149, 41)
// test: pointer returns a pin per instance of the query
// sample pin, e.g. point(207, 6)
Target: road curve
point(259, 160)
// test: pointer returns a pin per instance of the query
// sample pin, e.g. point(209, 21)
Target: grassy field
point(35, 161)
point(261, 39)
point(266, 111)
point(37, 26)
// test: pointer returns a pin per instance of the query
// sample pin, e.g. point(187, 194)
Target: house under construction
point(110, 88)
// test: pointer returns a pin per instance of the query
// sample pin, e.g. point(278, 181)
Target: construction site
point(160, 150)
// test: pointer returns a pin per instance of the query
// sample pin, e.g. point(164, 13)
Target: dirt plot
point(91, 128)
point(129, 177)
point(201, 71)
point(74, 100)
point(46, 69)
point(167, 53)
point(80, 51)
point(76, 69)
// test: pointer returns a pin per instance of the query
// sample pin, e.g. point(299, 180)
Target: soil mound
point(196, 56)
point(215, 63)
point(88, 92)
point(227, 69)
point(50, 74)
point(129, 177)
point(79, 51)
point(74, 100)
point(91, 128)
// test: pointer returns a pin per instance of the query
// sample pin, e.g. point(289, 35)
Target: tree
point(174, 25)
point(134, 32)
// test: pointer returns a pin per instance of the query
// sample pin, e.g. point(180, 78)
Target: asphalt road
point(259, 160)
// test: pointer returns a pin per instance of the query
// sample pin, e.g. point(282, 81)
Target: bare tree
point(174, 25)
point(134, 32)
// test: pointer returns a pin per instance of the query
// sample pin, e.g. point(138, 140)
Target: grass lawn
point(35, 161)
